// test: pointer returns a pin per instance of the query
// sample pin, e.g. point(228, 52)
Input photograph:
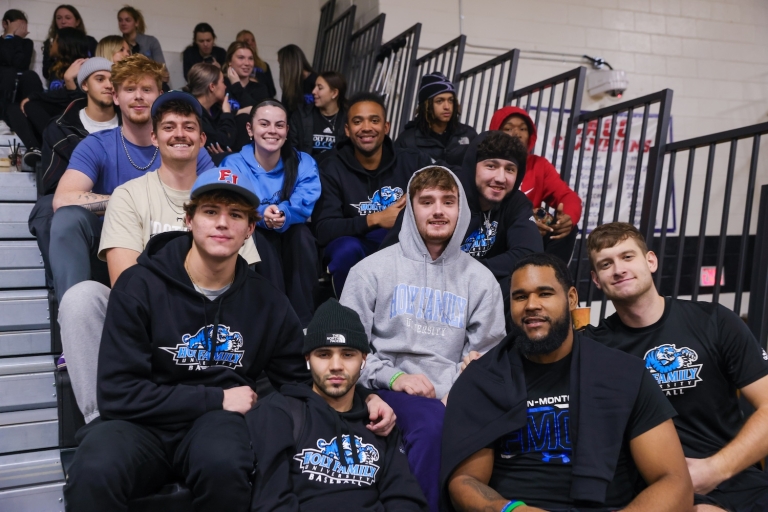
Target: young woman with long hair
point(65, 16)
point(113, 48)
point(317, 128)
point(288, 185)
point(203, 48)
point(244, 90)
point(261, 70)
point(297, 78)
point(132, 26)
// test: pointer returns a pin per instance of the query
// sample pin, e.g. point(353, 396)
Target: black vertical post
point(758, 297)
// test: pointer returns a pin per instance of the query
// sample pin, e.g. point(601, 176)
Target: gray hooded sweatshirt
point(423, 315)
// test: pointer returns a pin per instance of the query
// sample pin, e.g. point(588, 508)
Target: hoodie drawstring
point(215, 332)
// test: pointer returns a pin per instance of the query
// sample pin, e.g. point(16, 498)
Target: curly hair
point(71, 44)
point(133, 67)
point(504, 146)
point(425, 115)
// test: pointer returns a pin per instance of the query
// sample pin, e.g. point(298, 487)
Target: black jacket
point(451, 153)
point(249, 96)
point(488, 401)
point(48, 61)
point(265, 77)
point(16, 53)
point(350, 192)
point(219, 127)
point(191, 56)
point(154, 362)
point(60, 139)
point(300, 473)
point(302, 129)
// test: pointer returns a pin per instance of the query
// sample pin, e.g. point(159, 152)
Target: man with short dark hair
point(362, 184)
point(99, 164)
point(700, 354)
point(428, 308)
point(550, 419)
point(315, 440)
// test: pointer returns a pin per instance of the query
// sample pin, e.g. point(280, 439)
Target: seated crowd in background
point(185, 235)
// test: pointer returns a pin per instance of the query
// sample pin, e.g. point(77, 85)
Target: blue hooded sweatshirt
point(269, 185)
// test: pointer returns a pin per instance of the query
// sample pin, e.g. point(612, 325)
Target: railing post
point(758, 295)
point(573, 125)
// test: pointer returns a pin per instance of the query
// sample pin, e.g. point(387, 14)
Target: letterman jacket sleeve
point(398, 488)
point(125, 389)
point(523, 237)
point(305, 194)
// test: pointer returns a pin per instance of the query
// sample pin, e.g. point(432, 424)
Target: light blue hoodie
point(422, 316)
point(269, 185)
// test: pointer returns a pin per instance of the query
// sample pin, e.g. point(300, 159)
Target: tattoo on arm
point(94, 203)
point(482, 490)
point(97, 207)
point(472, 486)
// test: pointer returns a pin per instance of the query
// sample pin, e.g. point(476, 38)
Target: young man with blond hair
point(701, 355)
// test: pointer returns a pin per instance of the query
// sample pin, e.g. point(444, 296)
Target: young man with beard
point(428, 308)
point(550, 419)
point(82, 117)
point(99, 164)
point(362, 183)
point(316, 441)
point(436, 130)
point(138, 210)
point(543, 184)
point(701, 355)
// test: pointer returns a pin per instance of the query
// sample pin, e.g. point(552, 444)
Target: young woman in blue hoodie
point(288, 185)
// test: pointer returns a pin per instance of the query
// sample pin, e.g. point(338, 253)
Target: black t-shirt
point(534, 464)
point(700, 354)
point(323, 135)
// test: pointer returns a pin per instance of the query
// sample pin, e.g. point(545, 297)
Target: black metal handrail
point(447, 59)
point(571, 81)
point(485, 88)
point(326, 18)
point(365, 46)
point(337, 42)
point(395, 74)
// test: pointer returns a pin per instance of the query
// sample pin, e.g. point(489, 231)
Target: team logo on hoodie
point(324, 463)
point(194, 351)
point(380, 200)
point(480, 241)
point(673, 368)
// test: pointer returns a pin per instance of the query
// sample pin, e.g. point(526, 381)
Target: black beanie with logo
point(335, 325)
point(433, 84)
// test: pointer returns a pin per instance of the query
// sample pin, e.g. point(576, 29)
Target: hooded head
point(502, 119)
point(436, 214)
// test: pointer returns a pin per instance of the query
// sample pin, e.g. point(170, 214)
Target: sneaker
point(30, 160)
point(61, 363)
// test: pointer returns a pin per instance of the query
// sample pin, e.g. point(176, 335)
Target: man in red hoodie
point(542, 183)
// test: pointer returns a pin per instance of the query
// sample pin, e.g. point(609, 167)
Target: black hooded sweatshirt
point(451, 152)
point(154, 363)
point(497, 238)
point(306, 472)
point(350, 192)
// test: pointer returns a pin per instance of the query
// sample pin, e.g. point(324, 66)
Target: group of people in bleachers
point(185, 233)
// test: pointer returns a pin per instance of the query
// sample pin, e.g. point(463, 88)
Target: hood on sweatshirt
point(346, 152)
point(412, 243)
point(501, 115)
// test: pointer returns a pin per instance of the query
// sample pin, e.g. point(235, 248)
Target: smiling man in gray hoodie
point(428, 309)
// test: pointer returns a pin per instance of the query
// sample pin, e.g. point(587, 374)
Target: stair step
point(21, 392)
point(13, 220)
point(39, 498)
point(22, 278)
point(24, 310)
point(25, 343)
point(30, 364)
point(18, 186)
point(32, 468)
point(29, 430)
point(20, 255)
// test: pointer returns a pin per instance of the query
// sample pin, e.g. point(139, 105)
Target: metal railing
point(365, 46)
point(395, 74)
point(720, 175)
point(326, 18)
point(337, 42)
point(485, 88)
point(609, 130)
point(447, 59)
point(757, 318)
point(563, 86)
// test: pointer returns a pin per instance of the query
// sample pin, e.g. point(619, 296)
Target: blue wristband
point(512, 505)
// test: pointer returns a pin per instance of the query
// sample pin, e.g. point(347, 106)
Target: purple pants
point(421, 422)
point(347, 251)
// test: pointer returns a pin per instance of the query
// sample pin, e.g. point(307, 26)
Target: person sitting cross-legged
point(316, 442)
point(552, 420)
point(427, 308)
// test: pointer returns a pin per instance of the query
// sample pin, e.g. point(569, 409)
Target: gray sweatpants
point(82, 311)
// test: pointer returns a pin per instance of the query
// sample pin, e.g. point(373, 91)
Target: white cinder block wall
point(274, 22)
point(711, 53)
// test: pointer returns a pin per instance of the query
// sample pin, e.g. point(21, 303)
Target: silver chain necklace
point(168, 199)
point(122, 137)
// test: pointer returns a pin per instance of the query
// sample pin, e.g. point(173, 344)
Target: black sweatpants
point(297, 250)
point(30, 124)
point(119, 460)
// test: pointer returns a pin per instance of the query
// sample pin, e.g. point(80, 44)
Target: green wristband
point(394, 378)
point(512, 505)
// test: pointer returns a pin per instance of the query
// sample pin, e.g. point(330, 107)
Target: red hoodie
point(542, 181)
